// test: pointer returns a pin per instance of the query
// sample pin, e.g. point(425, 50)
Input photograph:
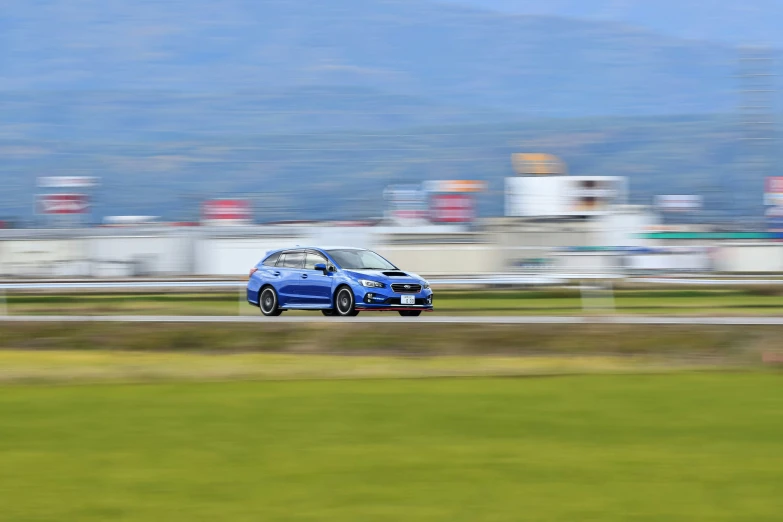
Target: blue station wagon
point(338, 281)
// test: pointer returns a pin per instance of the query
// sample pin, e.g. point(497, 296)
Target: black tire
point(410, 313)
point(267, 302)
point(329, 313)
point(344, 303)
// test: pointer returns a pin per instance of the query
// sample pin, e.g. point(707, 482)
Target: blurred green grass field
point(731, 301)
point(682, 447)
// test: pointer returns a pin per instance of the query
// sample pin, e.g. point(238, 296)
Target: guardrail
point(495, 280)
point(122, 285)
point(703, 281)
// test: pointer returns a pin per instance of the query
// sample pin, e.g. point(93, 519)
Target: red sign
point(773, 190)
point(452, 208)
point(774, 185)
point(63, 204)
point(227, 209)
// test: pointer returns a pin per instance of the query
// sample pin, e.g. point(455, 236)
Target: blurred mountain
point(342, 174)
point(531, 65)
point(311, 108)
point(746, 22)
point(145, 115)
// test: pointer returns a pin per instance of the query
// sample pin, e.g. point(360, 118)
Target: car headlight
point(425, 285)
point(371, 284)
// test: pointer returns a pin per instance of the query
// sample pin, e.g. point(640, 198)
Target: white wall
point(105, 256)
point(233, 256)
point(671, 262)
point(44, 258)
point(208, 252)
point(590, 263)
point(117, 256)
point(750, 257)
point(237, 255)
point(622, 229)
point(360, 237)
point(431, 260)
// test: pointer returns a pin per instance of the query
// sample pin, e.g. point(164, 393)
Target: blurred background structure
point(186, 138)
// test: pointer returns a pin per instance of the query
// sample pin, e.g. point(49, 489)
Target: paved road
point(428, 319)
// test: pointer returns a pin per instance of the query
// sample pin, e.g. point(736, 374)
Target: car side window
point(312, 260)
point(271, 260)
point(281, 260)
point(294, 260)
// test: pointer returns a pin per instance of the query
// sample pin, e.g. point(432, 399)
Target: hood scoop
point(395, 274)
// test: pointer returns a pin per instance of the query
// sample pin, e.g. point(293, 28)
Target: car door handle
point(304, 276)
point(276, 273)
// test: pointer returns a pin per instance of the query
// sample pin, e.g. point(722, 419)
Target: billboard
point(454, 186)
point(678, 203)
point(227, 211)
point(129, 220)
point(62, 204)
point(405, 202)
point(564, 196)
point(773, 191)
point(536, 164)
point(67, 182)
point(774, 218)
point(452, 208)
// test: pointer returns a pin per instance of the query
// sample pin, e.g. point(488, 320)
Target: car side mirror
point(321, 267)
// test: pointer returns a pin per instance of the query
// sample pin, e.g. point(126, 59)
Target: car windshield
point(360, 260)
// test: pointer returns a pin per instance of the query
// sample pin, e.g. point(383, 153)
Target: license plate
point(408, 299)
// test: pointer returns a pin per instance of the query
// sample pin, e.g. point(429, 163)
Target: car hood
point(383, 276)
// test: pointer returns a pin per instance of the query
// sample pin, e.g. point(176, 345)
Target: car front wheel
point(344, 303)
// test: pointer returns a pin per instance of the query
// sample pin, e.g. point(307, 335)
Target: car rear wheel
point(410, 313)
point(268, 302)
point(344, 303)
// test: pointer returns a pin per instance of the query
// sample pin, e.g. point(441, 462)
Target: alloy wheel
point(344, 303)
point(268, 303)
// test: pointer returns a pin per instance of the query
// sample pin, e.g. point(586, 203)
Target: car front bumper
point(383, 299)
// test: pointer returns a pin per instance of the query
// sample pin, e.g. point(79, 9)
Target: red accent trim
point(393, 309)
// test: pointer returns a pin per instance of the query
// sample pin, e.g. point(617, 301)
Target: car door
point(315, 286)
point(290, 267)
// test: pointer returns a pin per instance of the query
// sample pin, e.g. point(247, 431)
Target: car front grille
point(406, 288)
